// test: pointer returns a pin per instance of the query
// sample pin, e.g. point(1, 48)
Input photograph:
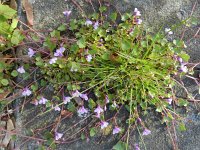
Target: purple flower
point(139, 119)
point(67, 13)
point(57, 108)
point(104, 124)
point(31, 52)
point(183, 68)
point(96, 25)
point(146, 132)
point(97, 115)
point(58, 136)
point(137, 12)
point(67, 99)
point(89, 58)
point(53, 60)
point(76, 94)
point(105, 108)
point(168, 31)
point(116, 130)
point(180, 59)
point(82, 111)
point(84, 96)
point(21, 70)
point(107, 99)
point(98, 110)
point(169, 100)
point(136, 147)
point(26, 92)
point(138, 21)
point(88, 22)
point(43, 100)
point(59, 52)
point(35, 102)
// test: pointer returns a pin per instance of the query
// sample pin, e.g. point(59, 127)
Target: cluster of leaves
point(10, 36)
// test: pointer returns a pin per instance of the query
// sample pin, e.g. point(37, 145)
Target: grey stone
point(155, 14)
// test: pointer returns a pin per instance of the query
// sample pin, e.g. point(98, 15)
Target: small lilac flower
point(89, 58)
point(66, 100)
point(146, 132)
point(57, 108)
point(96, 25)
point(138, 21)
point(35, 102)
point(104, 124)
point(169, 100)
point(84, 96)
point(67, 13)
point(31, 52)
point(105, 108)
point(97, 115)
point(168, 31)
point(43, 100)
point(180, 59)
point(26, 92)
point(137, 12)
point(21, 70)
point(76, 94)
point(139, 119)
point(184, 68)
point(53, 60)
point(116, 130)
point(58, 136)
point(82, 111)
point(107, 99)
point(59, 52)
point(98, 110)
point(88, 22)
point(136, 147)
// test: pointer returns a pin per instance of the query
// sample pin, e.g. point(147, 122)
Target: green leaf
point(14, 24)
point(113, 16)
point(125, 45)
point(182, 127)
point(62, 27)
point(4, 82)
point(159, 109)
point(81, 43)
point(17, 37)
point(92, 104)
point(184, 56)
point(82, 136)
point(126, 16)
point(71, 107)
point(182, 102)
point(55, 33)
point(120, 146)
point(102, 9)
point(92, 132)
point(34, 87)
point(7, 12)
point(48, 43)
point(14, 73)
point(105, 56)
point(102, 33)
point(73, 25)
